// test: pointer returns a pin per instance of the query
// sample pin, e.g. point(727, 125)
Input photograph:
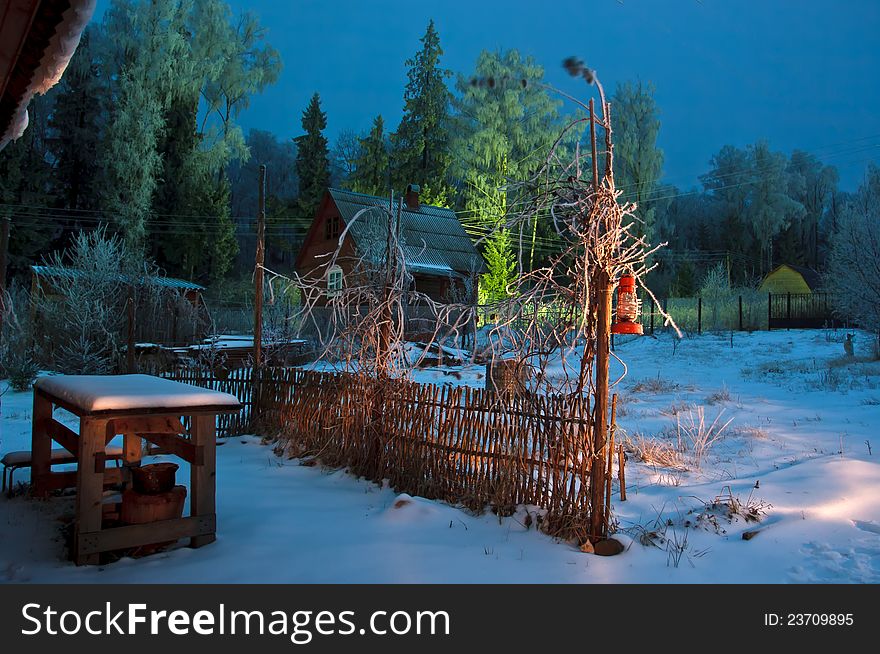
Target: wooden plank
point(89, 485)
point(147, 424)
point(203, 477)
point(41, 445)
point(178, 446)
point(91, 543)
point(64, 436)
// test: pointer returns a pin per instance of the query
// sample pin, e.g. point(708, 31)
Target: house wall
point(784, 280)
point(313, 261)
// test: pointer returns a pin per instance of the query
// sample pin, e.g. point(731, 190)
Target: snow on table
point(91, 393)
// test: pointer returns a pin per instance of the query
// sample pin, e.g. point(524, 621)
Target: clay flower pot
point(154, 478)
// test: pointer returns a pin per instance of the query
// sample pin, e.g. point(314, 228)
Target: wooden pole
point(597, 473)
point(608, 475)
point(699, 315)
point(4, 247)
point(769, 309)
point(740, 312)
point(593, 150)
point(258, 271)
point(129, 354)
point(621, 473)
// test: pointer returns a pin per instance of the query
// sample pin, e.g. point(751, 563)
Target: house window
point(334, 281)
point(332, 228)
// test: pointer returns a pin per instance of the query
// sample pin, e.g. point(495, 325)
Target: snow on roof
point(167, 282)
point(55, 58)
point(118, 392)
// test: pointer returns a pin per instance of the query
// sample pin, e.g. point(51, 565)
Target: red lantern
point(627, 315)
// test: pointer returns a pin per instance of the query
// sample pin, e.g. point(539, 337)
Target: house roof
point(434, 240)
point(165, 282)
point(37, 40)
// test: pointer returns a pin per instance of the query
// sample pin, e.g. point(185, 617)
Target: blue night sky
point(802, 74)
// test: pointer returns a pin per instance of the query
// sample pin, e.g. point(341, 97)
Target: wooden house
point(438, 252)
point(789, 278)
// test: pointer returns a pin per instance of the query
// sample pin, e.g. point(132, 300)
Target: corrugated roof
point(167, 282)
point(434, 240)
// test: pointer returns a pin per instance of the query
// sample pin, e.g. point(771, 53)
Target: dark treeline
point(142, 134)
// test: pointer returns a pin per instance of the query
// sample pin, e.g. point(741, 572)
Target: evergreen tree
point(26, 181)
point(420, 144)
point(501, 265)
point(637, 159)
point(76, 124)
point(370, 173)
point(312, 160)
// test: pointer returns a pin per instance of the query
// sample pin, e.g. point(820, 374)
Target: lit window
point(334, 281)
point(332, 228)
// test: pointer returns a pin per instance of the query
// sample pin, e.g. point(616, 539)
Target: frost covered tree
point(147, 41)
point(638, 162)
point(770, 208)
point(812, 184)
point(853, 276)
point(506, 122)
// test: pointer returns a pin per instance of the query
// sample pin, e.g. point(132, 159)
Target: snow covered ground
point(802, 453)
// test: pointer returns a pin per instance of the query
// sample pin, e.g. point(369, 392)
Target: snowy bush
point(17, 361)
point(853, 276)
point(83, 313)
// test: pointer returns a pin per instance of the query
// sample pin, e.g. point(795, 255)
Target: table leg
point(203, 477)
point(89, 485)
point(41, 445)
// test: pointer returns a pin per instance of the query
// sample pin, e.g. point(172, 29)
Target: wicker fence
point(458, 444)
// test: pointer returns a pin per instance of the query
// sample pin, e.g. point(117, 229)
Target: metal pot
point(154, 478)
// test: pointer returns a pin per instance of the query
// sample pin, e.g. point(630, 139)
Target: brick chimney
point(412, 197)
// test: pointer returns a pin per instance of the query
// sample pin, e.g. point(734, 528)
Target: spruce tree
point(421, 142)
point(371, 165)
point(76, 125)
point(312, 160)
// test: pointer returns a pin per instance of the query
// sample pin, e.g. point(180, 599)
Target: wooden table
point(138, 407)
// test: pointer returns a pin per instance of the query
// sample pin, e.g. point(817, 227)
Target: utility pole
point(4, 247)
point(258, 272)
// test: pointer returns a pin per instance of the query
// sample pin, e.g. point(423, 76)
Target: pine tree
point(76, 124)
point(312, 160)
point(420, 143)
point(370, 174)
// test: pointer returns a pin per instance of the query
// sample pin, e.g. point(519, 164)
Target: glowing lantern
point(627, 315)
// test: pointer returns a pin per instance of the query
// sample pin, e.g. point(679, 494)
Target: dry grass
point(655, 452)
point(676, 408)
point(684, 446)
point(655, 385)
point(721, 395)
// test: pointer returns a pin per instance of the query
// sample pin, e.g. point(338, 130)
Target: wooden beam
point(148, 425)
point(64, 436)
point(93, 542)
point(41, 445)
point(89, 485)
point(178, 446)
point(202, 477)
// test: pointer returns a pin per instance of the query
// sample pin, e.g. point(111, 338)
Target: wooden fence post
point(600, 421)
point(769, 309)
point(788, 306)
point(740, 312)
point(700, 315)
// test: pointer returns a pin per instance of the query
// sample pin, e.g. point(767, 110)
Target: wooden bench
point(12, 461)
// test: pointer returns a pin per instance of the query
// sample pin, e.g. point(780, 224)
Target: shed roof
point(435, 242)
point(166, 282)
point(811, 278)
